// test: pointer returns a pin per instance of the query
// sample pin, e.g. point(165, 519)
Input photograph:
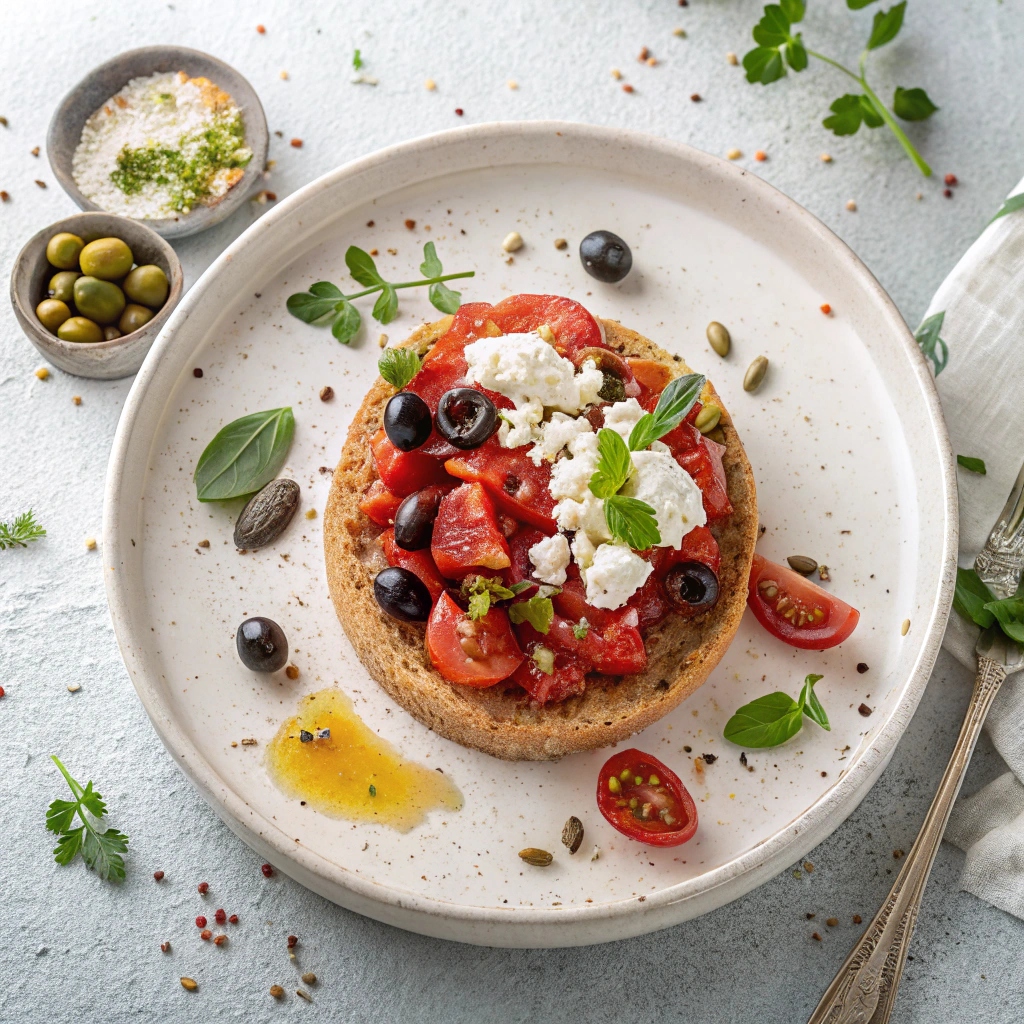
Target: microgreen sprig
point(778, 46)
point(102, 851)
point(20, 532)
point(325, 303)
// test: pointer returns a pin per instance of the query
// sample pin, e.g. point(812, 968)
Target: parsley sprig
point(102, 851)
point(481, 592)
point(778, 46)
point(325, 303)
point(771, 720)
point(21, 532)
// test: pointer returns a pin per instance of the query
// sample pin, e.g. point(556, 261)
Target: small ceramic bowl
point(101, 83)
point(105, 360)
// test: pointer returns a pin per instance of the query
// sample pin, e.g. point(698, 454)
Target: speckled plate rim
point(524, 926)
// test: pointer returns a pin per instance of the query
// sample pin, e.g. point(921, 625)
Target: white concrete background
point(73, 948)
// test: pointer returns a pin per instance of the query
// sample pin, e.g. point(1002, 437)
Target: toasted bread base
point(501, 720)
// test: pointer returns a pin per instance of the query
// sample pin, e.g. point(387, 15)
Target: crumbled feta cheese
point(614, 576)
point(583, 550)
point(661, 482)
point(590, 380)
point(622, 417)
point(550, 556)
point(520, 426)
point(570, 477)
point(586, 516)
point(557, 434)
point(524, 368)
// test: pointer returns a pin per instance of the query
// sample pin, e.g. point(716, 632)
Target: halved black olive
point(605, 256)
point(261, 644)
point(402, 594)
point(414, 520)
point(407, 421)
point(466, 417)
point(692, 586)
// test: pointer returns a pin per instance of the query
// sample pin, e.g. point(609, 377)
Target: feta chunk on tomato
point(550, 557)
point(615, 574)
point(663, 484)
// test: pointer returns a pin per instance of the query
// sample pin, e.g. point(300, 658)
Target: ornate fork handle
point(865, 987)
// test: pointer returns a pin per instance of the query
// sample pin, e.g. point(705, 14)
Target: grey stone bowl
point(101, 83)
point(105, 360)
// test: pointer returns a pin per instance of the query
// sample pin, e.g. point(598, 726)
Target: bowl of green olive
point(92, 292)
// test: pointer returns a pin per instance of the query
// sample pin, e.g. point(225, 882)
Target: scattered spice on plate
point(249, 741)
point(458, 111)
point(206, 935)
point(832, 921)
point(293, 941)
point(538, 858)
point(616, 74)
point(816, 936)
point(42, 373)
point(4, 196)
point(734, 154)
point(760, 156)
point(203, 888)
point(808, 867)
point(261, 29)
point(158, 875)
point(513, 84)
point(695, 97)
point(864, 710)
point(951, 180)
point(266, 868)
point(309, 978)
point(197, 372)
point(276, 991)
point(204, 543)
point(857, 919)
point(512, 242)
point(561, 243)
point(825, 158)
point(90, 543)
point(296, 143)
point(41, 184)
point(896, 854)
point(627, 88)
point(862, 667)
point(220, 940)
point(311, 513)
point(326, 393)
point(303, 994)
point(709, 758)
point(292, 672)
point(165, 947)
point(76, 399)
point(948, 193)
point(826, 309)
point(284, 76)
point(265, 196)
point(823, 574)
point(74, 687)
point(430, 85)
point(35, 152)
point(905, 628)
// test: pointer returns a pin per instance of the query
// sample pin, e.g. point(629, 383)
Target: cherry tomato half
point(644, 800)
point(479, 653)
point(795, 610)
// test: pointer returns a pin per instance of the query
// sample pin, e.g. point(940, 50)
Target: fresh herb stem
point(840, 67)
point(411, 284)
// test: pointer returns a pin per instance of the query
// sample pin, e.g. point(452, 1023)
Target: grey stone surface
point(73, 948)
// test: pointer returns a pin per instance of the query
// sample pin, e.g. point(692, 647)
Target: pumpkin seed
point(267, 514)
point(802, 564)
point(707, 418)
point(572, 834)
point(538, 858)
point(719, 338)
point(754, 376)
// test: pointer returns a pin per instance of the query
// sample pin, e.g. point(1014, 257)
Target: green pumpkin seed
point(538, 858)
point(802, 564)
point(707, 419)
point(572, 834)
point(754, 376)
point(719, 338)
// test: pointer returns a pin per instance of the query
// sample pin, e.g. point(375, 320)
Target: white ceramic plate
point(852, 463)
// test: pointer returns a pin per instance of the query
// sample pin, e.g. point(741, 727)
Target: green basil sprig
point(245, 455)
point(325, 303)
point(973, 464)
point(974, 601)
point(673, 406)
point(771, 720)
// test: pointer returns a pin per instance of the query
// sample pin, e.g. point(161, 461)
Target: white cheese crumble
point(558, 433)
point(550, 557)
point(677, 502)
point(614, 576)
point(622, 417)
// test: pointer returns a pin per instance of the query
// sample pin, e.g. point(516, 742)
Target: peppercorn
point(205, 934)
point(197, 372)
point(293, 941)
point(233, 919)
point(158, 875)
point(951, 179)
point(262, 31)
point(267, 870)
point(458, 111)
point(219, 915)
point(203, 888)
point(200, 921)
point(948, 193)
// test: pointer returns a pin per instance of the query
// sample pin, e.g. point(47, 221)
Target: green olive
point(62, 285)
point(111, 333)
point(52, 313)
point(109, 259)
point(78, 328)
point(101, 301)
point(134, 317)
point(147, 285)
point(63, 250)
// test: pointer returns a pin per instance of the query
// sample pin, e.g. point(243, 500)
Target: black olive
point(261, 644)
point(605, 256)
point(466, 417)
point(407, 421)
point(402, 594)
point(414, 520)
point(692, 586)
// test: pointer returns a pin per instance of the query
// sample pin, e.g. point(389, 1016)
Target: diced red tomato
point(568, 679)
point(404, 472)
point(702, 459)
point(419, 562)
point(467, 537)
point(797, 611)
point(653, 378)
point(475, 653)
point(380, 504)
point(644, 800)
point(573, 326)
point(616, 648)
point(516, 485)
point(519, 551)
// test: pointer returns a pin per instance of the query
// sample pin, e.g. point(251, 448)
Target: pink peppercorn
point(158, 875)
point(267, 870)
point(950, 179)
point(203, 888)
point(220, 916)
point(233, 919)
point(948, 193)
point(205, 934)
point(458, 111)
point(200, 921)
point(2, 691)
point(293, 941)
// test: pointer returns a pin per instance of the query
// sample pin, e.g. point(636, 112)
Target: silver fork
point(864, 990)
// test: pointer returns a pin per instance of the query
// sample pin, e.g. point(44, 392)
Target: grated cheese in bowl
point(159, 147)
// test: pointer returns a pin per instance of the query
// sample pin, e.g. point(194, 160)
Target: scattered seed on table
point(205, 934)
point(572, 834)
point(190, 984)
point(204, 543)
point(303, 994)
point(292, 672)
point(41, 184)
point(458, 111)
point(276, 991)
point(616, 74)
point(734, 154)
point(825, 158)
point(643, 55)
point(826, 308)
point(311, 513)
point(158, 875)
point(651, 62)
point(896, 854)
point(823, 574)
point(3, 121)
point(220, 915)
point(265, 196)
point(695, 97)
point(512, 242)
point(808, 867)
point(326, 393)
point(2, 692)
point(719, 338)
point(203, 888)
point(816, 936)
point(266, 868)
point(220, 940)
point(410, 224)
point(261, 29)
point(249, 741)
point(731, 58)
point(284, 76)
point(538, 858)
point(803, 564)
point(905, 628)
point(90, 543)
point(627, 88)
point(35, 152)
point(760, 156)
point(76, 399)
point(197, 372)
point(951, 180)
point(857, 919)
point(832, 921)
point(165, 947)
point(561, 243)
point(864, 710)
point(679, 33)
point(948, 193)
point(309, 978)
point(382, 340)
point(510, 260)
point(233, 919)
point(74, 687)
point(200, 921)
point(430, 85)
point(851, 205)
point(513, 84)
point(296, 143)
point(42, 373)
point(4, 196)
point(293, 941)
point(754, 377)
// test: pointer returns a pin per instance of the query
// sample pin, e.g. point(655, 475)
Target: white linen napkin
point(973, 334)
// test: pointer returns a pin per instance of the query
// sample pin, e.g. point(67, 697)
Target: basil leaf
point(309, 308)
point(361, 266)
point(632, 522)
point(773, 28)
point(974, 465)
point(398, 366)
point(385, 309)
point(444, 298)
point(912, 104)
point(245, 455)
point(1009, 613)
point(675, 402)
point(811, 706)
point(431, 265)
point(326, 290)
point(613, 465)
point(929, 341)
point(1010, 205)
point(347, 322)
point(971, 598)
point(538, 611)
point(765, 722)
point(764, 64)
point(886, 26)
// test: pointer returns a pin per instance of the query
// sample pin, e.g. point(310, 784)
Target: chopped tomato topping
point(404, 472)
point(573, 326)
point(474, 653)
point(615, 648)
point(567, 677)
point(653, 378)
point(380, 504)
point(467, 537)
point(419, 562)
